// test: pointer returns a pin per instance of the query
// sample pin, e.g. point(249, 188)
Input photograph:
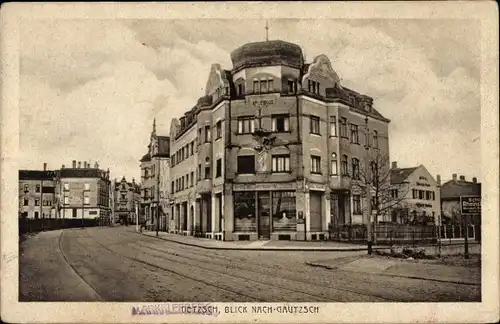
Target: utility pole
point(368, 189)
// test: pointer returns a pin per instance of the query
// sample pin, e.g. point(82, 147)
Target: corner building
point(267, 153)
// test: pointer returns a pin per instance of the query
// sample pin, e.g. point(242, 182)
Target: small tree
point(377, 177)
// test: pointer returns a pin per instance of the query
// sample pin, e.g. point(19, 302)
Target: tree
point(377, 177)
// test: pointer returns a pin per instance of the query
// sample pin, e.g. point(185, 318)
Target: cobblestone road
point(116, 264)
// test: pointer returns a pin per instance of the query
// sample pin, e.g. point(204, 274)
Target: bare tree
point(377, 177)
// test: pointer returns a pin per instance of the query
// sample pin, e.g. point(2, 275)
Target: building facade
point(155, 183)
point(37, 193)
point(84, 192)
point(79, 192)
point(126, 200)
point(451, 191)
point(416, 196)
point(272, 149)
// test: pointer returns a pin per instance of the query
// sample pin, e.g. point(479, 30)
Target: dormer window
point(313, 86)
point(263, 85)
point(292, 86)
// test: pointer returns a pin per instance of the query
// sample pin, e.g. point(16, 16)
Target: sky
point(89, 89)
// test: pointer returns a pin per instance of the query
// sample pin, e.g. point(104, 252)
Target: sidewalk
point(257, 245)
point(414, 269)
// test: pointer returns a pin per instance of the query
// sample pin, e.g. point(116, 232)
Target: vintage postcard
point(276, 162)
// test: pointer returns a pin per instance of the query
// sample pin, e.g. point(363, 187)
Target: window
point(356, 204)
point(36, 215)
point(172, 187)
point(207, 134)
point(245, 125)
point(86, 200)
point(314, 124)
point(313, 86)
point(375, 139)
point(255, 86)
point(37, 202)
point(355, 168)
point(218, 170)
point(421, 194)
point(145, 173)
point(192, 179)
point(292, 86)
point(207, 172)
point(281, 163)
point(199, 136)
point(246, 164)
point(333, 125)
point(394, 193)
point(124, 196)
point(219, 129)
point(343, 165)
point(37, 188)
point(26, 188)
point(192, 148)
point(240, 90)
point(433, 197)
point(87, 186)
point(354, 134)
point(374, 168)
point(280, 123)
point(199, 172)
point(315, 164)
point(334, 169)
point(26, 202)
point(263, 86)
point(343, 127)
point(270, 85)
point(66, 200)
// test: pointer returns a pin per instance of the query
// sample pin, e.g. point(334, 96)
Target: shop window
point(246, 164)
point(280, 123)
point(284, 211)
point(314, 125)
point(244, 211)
point(315, 164)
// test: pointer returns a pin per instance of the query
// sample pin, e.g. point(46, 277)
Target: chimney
point(454, 176)
point(45, 167)
point(438, 180)
point(62, 166)
point(474, 180)
point(79, 164)
point(74, 164)
point(462, 178)
point(394, 165)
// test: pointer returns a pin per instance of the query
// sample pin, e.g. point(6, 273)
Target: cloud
point(92, 88)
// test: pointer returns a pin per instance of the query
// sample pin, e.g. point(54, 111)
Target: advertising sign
point(470, 205)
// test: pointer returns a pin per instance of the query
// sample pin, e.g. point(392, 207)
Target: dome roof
point(268, 53)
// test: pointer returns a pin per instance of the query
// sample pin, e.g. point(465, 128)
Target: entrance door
point(315, 211)
point(264, 213)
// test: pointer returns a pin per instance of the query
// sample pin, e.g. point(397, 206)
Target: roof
point(36, 175)
point(400, 174)
point(146, 158)
point(453, 189)
point(82, 173)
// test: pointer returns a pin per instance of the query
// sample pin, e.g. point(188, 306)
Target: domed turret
point(268, 53)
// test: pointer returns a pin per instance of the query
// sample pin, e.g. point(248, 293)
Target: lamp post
point(368, 189)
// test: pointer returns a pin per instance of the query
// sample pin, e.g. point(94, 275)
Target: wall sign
point(263, 103)
point(470, 205)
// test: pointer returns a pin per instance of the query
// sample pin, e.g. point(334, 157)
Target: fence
point(48, 224)
point(399, 233)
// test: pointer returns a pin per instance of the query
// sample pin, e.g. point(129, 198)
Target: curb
point(320, 265)
point(259, 249)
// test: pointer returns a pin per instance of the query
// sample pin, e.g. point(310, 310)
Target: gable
point(216, 80)
point(321, 69)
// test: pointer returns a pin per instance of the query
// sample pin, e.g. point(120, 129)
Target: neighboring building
point(155, 179)
point(267, 152)
point(416, 195)
point(37, 195)
point(127, 196)
point(450, 201)
point(84, 192)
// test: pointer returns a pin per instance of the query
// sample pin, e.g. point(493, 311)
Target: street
point(117, 264)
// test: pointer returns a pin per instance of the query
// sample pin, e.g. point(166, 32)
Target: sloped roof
point(453, 189)
point(146, 158)
point(400, 174)
point(36, 175)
